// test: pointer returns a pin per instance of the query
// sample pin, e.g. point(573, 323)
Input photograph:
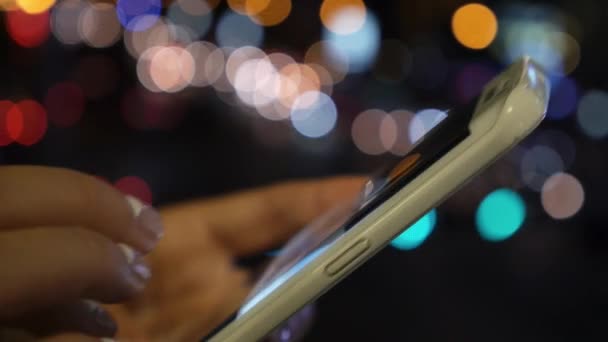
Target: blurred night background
point(181, 99)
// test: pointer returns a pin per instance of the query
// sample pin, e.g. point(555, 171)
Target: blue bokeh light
point(358, 49)
point(196, 25)
point(314, 114)
point(591, 115)
point(417, 233)
point(138, 15)
point(564, 98)
point(235, 30)
point(500, 215)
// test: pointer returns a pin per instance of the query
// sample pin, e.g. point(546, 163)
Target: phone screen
point(445, 132)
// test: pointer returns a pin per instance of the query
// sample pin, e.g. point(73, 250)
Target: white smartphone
point(462, 144)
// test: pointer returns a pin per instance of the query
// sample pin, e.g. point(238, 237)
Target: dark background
point(548, 282)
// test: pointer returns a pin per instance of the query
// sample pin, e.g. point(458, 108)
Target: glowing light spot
point(187, 14)
point(564, 99)
point(27, 122)
point(532, 32)
point(97, 76)
point(160, 34)
point(214, 66)
point(360, 48)
point(138, 15)
point(8, 5)
point(562, 196)
point(470, 81)
point(5, 137)
point(592, 116)
point(343, 16)
point(295, 80)
point(317, 54)
point(234, 30)
point(28, 30)
point(317, 120)
point(537, 164)
point(365, 131)
point(200, 52)
point(65, 21)
point(65, 104)
point(417, 233)
point(238, 57)
point(35, 6)
point(474, 26)
point(221, 83)
point(171, 68)
point(135, 186)
point(558, 141)
point(393, 62)
point(275, 12)
point(248, 7)
point(423, 122)
point(402, 120)
point(325, 79)
point(500, 215)
point(99, 26)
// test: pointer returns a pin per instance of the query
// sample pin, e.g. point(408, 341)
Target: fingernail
point(102, 318)
point(141, 270)
point(147, 218)
point(128, 252)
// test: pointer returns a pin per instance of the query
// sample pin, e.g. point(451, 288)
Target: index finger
point(259, 219)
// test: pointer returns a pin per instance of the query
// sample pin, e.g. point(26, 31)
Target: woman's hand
point(68, 241)
point(195, 283)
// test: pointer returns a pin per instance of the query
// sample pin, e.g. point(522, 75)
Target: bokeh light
point(5, 137)
point(537, 164)
point(343, 16)
point(235, 30)
point(317, 54)
point(99, 26)
point(423, 122)
point(564, 98)
point(314, 114)
point(168, 69)
point(136, 187)
point(474, 26)
point(28, 30)
point(200, 52)
point(138, 15)
point(393, 62)
point(537, 31)
point(274, 13)
point(65, 21)
point(65, 103)
point(402, 119)
point(562, 196)
point(193, 15)
point(592, 116)
point(27, 122)
point(558, 141)
point(417, 233)
point(358, 49)
point(35, 6)
point(366, 131)
point(500, 215)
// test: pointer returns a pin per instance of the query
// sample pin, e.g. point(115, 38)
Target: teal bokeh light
point(417, 233)
point(500, 215)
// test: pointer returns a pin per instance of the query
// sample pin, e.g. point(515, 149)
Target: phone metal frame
point(510, 107)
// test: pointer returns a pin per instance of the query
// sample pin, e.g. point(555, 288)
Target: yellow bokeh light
point(248, 7)
point(343, 16)
point(8, 5)
point(475, 26)
point(35, 6)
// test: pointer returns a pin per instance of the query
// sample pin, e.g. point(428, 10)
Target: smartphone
point(459, 146)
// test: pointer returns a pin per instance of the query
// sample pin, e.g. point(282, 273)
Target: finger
point(34, 196)
point(82, 316)
point(74, 338)
point(254, 220)
point(42, 267)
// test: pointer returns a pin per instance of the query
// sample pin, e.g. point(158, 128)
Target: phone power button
point(347, 257)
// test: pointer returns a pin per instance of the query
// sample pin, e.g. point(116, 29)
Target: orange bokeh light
point(343, 16)
point(273, 14)
point(475, 26)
